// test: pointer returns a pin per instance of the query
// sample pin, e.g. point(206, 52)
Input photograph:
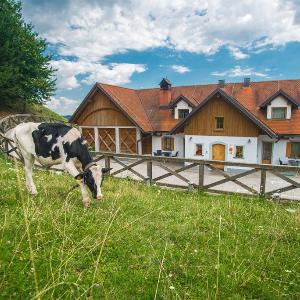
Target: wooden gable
point(203, 122)
point(100, 111)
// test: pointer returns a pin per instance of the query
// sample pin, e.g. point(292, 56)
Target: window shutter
point(172, 144)
point(163, 143)
point(288, 149)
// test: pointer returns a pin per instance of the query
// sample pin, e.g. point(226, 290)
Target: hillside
point(142, 243)
point(35, 109)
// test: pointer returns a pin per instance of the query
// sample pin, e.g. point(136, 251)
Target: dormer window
point(279, 113)
point(183, 113)
point(279, 106)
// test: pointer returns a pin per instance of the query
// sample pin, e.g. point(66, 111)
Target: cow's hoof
point(86, 204)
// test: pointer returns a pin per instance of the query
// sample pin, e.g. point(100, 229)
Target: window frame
point(285, 113)
point(196, 145)
point(183, 109)
point(216, 123)
point(292, 154)
point(164, 145)
point(243, 152)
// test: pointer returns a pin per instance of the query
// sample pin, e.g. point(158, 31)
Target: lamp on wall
point(249, 141)
point(190, 139)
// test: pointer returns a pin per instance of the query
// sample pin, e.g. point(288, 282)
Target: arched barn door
point(89, 136)
point(128, 140)
point(107, 139)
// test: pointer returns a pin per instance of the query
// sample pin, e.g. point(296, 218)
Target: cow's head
point(93, 176)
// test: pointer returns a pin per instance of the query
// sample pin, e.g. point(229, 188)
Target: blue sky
point(134, 43)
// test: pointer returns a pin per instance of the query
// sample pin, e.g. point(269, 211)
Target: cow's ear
point(79, 176)
point(105, 170)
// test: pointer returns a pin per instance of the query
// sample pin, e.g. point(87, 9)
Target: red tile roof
point(143, 105)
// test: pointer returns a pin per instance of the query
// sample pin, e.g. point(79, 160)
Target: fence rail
point(175, 168)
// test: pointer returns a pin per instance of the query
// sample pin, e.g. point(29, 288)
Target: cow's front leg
point(28, 162)
point(70, 167)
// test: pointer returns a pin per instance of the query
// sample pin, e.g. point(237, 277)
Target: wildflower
point(171, 287)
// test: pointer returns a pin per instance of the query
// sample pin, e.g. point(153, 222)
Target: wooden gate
point(107, 139)
point(89, 136)
point(128, 140)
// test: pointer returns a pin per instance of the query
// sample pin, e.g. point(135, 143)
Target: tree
point(26, 75)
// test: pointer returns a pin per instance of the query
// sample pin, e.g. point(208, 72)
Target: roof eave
point(278, 93)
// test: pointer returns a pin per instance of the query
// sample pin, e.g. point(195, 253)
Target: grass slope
point(36, 109)
point(143, 243)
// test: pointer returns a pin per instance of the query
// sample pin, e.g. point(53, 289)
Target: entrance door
point(267, 153)
point(218, 153)
point(107, 139)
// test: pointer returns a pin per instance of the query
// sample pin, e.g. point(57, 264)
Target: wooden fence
point(171, 166)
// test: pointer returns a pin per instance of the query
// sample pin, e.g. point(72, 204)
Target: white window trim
point(196, 149)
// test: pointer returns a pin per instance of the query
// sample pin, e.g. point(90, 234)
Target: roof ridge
point(144, 109)
point(200, 84)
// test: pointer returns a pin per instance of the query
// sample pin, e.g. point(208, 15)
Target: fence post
point(201, 177)
point(107, 163)
point(149, 172)
point(263, 176)
point(5, 148)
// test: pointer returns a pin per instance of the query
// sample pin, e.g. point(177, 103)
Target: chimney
point(246, 82)
point(221, 83)
point(164, 93)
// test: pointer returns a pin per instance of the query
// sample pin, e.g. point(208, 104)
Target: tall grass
point(143, 243)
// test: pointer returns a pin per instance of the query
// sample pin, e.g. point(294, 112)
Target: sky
point(135, 43)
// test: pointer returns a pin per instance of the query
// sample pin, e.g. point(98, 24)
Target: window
point(199, 149)
point(183, 113)
point(167, 143)
point(239, 151)
point(278, 112)
point(219, 123)
point(295, 150)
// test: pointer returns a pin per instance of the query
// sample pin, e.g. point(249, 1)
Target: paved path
point(253, 180)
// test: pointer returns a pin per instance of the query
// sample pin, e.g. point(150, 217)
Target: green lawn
point(143, 243)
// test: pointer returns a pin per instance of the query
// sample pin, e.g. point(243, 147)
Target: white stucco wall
point(279, 148)
point(178, 144)
point(181, 105)
point(279, 102)
point(249, 143)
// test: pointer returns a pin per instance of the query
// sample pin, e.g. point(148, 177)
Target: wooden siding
point(235, 123)
point(100, 111)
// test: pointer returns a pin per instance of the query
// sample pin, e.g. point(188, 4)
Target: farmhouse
point(254, 122)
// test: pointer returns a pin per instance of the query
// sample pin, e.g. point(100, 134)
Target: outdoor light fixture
point(191, 138)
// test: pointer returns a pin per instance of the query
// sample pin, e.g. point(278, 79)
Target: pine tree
point(26, 75)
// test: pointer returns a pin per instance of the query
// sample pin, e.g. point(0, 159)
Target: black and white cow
point(54, 144)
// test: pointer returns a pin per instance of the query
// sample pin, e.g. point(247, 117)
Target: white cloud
point(90, 30)
point(237, 71)
point(180, 69)
point(69, 71)
point(63, 105)
point(237, 53)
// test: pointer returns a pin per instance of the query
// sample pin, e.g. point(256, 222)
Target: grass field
point(143, 243)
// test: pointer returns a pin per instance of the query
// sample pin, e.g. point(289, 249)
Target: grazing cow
point(54, 143)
